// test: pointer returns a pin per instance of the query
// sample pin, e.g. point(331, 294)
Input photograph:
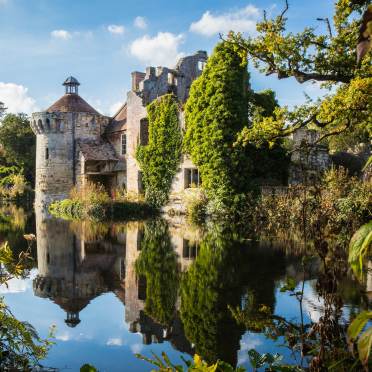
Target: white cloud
point(140, 22)
point(14, 286)
point(16, 98)
point(116, 29)
point(242, 20)
point(136, 348)
point(114, 342)
point(61, 34)
point(160, 50)
point(65, 336)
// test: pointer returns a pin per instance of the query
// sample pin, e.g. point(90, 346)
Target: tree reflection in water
point(158, 265)
point(200, 289)
point(226, 269)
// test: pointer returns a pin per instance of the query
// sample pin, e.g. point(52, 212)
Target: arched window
point(47, 124)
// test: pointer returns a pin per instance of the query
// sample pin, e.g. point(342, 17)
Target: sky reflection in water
point(89, 274)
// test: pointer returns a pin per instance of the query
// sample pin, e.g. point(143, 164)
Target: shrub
point(337, 206)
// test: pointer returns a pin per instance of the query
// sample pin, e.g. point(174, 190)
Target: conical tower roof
point(71, 101)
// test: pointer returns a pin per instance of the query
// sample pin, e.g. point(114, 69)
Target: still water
point(114, 290)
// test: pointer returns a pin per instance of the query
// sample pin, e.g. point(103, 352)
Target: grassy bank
point(93, 203)
point(111, 211)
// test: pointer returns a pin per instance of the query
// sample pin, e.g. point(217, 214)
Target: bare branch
point(284, 11)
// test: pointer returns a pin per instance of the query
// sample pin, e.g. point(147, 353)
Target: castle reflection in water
point(78, 261)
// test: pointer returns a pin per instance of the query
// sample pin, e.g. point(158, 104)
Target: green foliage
point(360, 246)
point(12, 182)
point(197, 365)
point(160, 158)
point(364, 339)
point(93, 203)
point(18, 144)
point(72, 209)
point(218, 110)
point(215, 113)
point(339, 204)
point(158, 264)
point(207, 288)
point(21, 348)
point(330, 59)
point(87, 368)
point(270, 361)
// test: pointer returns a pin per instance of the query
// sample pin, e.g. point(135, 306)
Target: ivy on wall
point(215, 113)
point(160, 158)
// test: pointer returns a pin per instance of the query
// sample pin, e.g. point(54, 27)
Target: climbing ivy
point(216, 111)
point(160, 158)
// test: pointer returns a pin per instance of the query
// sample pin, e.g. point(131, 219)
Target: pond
point(114, 290)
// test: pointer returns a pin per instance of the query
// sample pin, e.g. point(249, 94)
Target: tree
point(2, 109)
point(18, 144)
point(329, 59)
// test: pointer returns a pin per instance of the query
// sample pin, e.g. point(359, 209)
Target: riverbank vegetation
point(93, 203)
point(17, 157)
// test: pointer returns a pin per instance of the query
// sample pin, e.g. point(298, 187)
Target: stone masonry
point(76, 144)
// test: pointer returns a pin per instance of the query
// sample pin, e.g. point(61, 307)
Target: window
point(123, 144)
point(140, 237)
point(190, 250)
point(140, 182)
point(47, 153)
point(144, 132)
point(40, 125)
point(201, 65)
point(192, 178)
point(142, 288)
point(47, 124)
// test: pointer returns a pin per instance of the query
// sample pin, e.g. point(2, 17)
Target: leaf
point(364, 345)
point(88, 368)
point(358, 324)
point(359, 246)
point(368, 163)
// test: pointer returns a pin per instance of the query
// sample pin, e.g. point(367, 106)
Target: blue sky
point(101, 42)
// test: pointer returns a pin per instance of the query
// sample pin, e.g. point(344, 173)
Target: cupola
point(72, 85)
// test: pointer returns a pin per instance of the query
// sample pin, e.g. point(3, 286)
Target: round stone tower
point(58, 130)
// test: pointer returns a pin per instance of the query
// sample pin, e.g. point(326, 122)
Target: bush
point(99, 207)
point(337, 206)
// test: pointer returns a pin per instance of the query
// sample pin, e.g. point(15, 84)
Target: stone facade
point(309, 159)
point(76, 144)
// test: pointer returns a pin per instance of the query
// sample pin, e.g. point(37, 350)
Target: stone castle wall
point(57, 166)
point(146, 87)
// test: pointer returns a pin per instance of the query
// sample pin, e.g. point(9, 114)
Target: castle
point(76, 144)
